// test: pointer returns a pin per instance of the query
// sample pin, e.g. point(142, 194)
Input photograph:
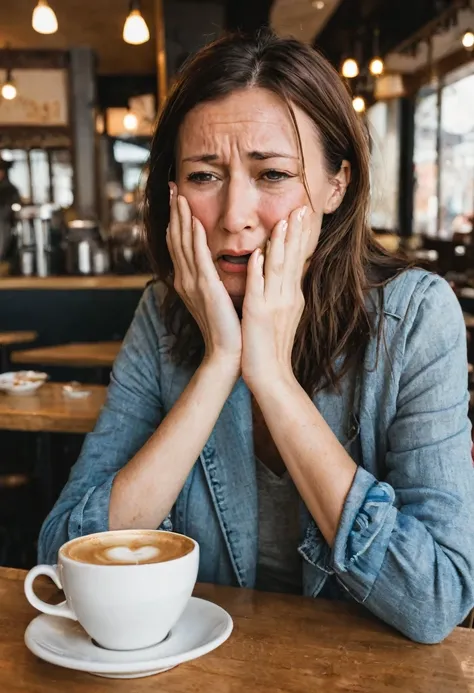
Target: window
point(41, 175)
point(444, 156)
point(425, 204)
point(384, 127)
point(457, 152)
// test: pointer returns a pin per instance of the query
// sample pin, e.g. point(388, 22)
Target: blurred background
point(81, 83)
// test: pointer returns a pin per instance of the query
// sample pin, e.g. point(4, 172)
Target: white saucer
point(202, 627)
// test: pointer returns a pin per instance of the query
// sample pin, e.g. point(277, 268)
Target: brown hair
point(347, 263)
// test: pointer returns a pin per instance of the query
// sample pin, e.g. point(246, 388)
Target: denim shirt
point(405, 542)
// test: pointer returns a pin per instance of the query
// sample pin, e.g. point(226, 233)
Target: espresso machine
point(38, 235)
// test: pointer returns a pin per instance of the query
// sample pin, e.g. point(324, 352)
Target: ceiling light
point(350, 68)
point(376, 66)
point(44, 20)
point(130, 122)
point(318, 4)
point(468, 39)
point(135, 30)
point(358, 104)
point(9, 90)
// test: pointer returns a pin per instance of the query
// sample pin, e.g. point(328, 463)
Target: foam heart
point(124, 554)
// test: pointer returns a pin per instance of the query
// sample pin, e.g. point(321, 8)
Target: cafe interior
point(81, 85)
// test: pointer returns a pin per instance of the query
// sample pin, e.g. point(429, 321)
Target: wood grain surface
point(280, 644)
point(80, 354)
point(107, 281)
point(49, 410)
point(9, 338)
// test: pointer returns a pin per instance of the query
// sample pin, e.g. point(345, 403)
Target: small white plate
point(202, 627)
point(22, 382)
point(75, 392)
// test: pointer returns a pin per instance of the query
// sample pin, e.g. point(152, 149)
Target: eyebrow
point(255, 155)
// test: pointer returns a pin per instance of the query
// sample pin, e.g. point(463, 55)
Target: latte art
point(124, 554)
point(129, 547)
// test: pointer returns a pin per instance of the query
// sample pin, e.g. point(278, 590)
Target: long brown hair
point(336, 323)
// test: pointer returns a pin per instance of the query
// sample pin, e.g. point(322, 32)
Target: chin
point(235, 286)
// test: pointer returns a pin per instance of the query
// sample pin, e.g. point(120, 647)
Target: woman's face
point(239, 168)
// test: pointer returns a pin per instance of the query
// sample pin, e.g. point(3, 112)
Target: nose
point(239, 206)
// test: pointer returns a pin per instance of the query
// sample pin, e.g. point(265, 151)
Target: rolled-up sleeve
point(405, 544)
point(132, 412)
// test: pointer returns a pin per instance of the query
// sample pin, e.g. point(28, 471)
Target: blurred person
point(9, 196)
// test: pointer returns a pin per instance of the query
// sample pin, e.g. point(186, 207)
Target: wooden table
point(280, 644)
point(72, 283)
point(21, 337)
point(86, 354)
point(8, 339)
point(49, 410)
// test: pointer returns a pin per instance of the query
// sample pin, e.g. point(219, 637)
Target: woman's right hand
point(197, 282)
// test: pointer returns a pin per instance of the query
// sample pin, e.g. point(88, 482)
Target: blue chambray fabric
point(405, 544)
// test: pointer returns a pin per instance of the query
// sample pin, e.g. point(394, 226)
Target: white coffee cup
point(122, 607)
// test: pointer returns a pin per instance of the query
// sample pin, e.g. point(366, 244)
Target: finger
point(174, 234)
point(185, 219)
point(203, 259)
point(295, 239)
point(275, 259)
point(311, 233)
point(255, 285)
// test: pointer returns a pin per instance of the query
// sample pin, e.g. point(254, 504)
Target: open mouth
point(236, 259)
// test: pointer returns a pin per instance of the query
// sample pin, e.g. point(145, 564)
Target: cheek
point(203, 207)
point(273, 207)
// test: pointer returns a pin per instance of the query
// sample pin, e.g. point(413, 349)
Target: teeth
point(236, 259)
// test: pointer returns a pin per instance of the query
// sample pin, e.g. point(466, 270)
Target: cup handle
point(51, 609)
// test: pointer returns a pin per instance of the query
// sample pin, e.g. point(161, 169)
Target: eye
point(201, 177)
point(274, 176)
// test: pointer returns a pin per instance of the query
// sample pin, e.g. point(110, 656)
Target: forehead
point(256, 117)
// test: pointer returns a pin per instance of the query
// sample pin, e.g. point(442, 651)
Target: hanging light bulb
point(376, 67)
point(468, 40)
point(9, 90)
point(130, 122)
point(358, 104)
point(44, 20)
point(135, 30)
point(350, 68)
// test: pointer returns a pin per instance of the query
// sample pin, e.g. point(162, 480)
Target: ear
point(338, 187)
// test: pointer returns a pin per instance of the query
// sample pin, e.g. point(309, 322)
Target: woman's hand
point(197, 282)
point(274, 301)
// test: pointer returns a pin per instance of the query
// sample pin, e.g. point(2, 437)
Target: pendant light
point(376, 65)
point(350, 68)
point(135, 30)
point(468, 40)
point(44, 20)
point(358, 104)
point(9, 90)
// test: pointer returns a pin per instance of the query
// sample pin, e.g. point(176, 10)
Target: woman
point(288, 394)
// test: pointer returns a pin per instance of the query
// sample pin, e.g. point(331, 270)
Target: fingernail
point(193, 223)
point(302, 212)
point(284, 225)
point(171, 192)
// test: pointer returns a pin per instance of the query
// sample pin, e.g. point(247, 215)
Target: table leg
point(44, 470)
point(4, 359)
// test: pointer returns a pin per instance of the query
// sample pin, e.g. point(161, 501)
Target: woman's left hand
point(274, 301)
